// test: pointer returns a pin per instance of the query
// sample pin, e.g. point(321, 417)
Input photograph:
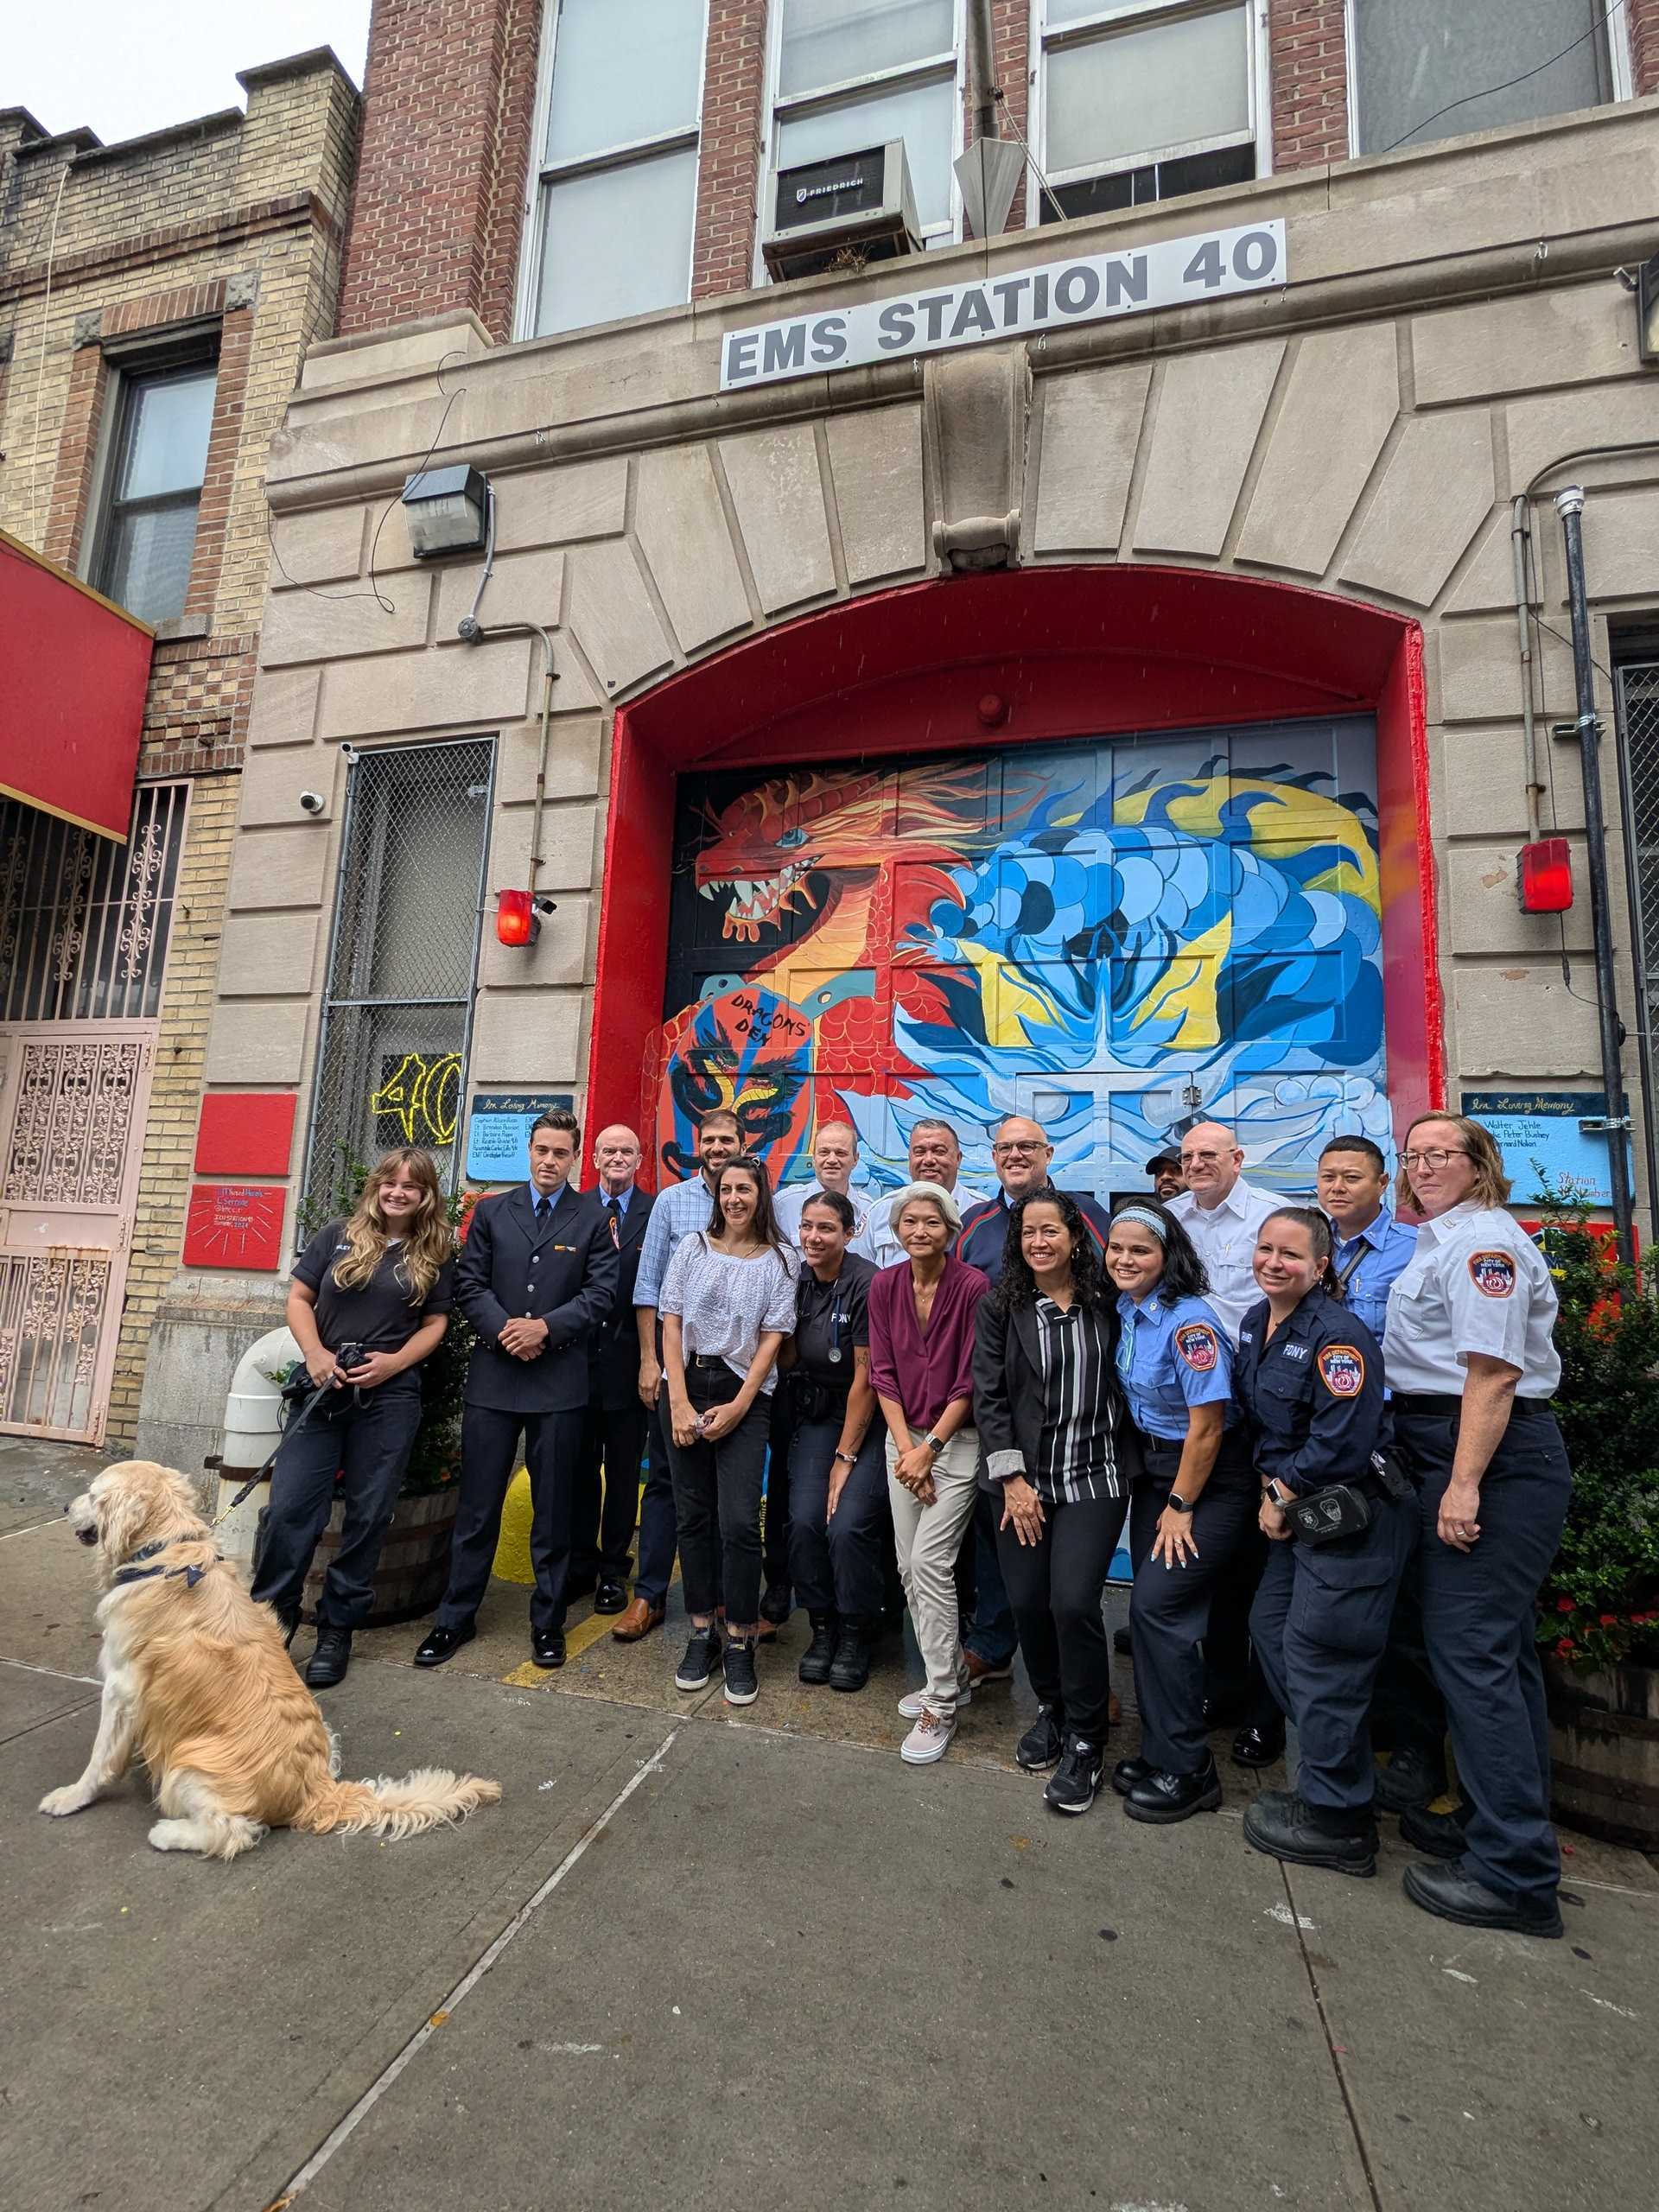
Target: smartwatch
point(1178, 1501)
point(935, 1444)
point(1275, 1496)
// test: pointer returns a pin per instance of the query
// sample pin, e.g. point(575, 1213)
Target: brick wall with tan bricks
point(231, 229)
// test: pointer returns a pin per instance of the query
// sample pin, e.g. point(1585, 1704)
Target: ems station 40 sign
point(1171, 273)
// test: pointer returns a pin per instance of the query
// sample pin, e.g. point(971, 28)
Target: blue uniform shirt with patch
point(1170, 1358)
point(1370, 1264)
point(1311, 1394)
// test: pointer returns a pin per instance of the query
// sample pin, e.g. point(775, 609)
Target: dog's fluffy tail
point(425, 1799)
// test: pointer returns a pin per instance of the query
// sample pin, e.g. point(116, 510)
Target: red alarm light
point(1544, 872)
point(516, 919)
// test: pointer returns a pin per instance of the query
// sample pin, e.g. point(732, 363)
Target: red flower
point(1564, 1650)
point(1563, 1604)
point(1608, 1620)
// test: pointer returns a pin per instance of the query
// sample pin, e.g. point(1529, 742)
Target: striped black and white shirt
point(1076, 1460)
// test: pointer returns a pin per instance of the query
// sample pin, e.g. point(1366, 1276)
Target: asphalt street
point(700, 1958)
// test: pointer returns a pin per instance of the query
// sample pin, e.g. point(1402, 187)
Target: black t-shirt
point(831, 1317)
point(379, 1315)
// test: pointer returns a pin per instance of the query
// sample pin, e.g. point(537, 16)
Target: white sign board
point(1171, 273)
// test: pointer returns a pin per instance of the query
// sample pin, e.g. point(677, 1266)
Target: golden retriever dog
point(198, 1682)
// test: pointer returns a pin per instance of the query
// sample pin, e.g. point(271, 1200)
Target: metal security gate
point(84, 928)
point(397, 1021)
point(1638, 762)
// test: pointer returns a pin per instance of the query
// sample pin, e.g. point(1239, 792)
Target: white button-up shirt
point(789, 1204)
point(879, 1241)
point(1477, 1283)
point(1224, 1236)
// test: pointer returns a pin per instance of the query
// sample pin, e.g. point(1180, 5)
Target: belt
point(706, 1359)
point(1447, 1405)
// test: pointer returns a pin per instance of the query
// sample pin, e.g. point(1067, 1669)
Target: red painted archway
point(1018, 656)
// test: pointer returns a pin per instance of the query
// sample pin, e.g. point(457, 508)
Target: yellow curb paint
point(577, 1640)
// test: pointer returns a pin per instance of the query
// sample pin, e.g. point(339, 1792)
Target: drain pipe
point(1569, 504)
point(1520, 545)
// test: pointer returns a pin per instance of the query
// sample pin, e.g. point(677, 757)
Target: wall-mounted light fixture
point(1544, 876)
point(448, 510)
point(519, 916)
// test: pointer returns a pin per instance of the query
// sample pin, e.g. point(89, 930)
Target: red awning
point(73, 669)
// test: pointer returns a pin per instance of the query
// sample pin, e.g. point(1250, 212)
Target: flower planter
point(1604, 1743)
point(413, 1560)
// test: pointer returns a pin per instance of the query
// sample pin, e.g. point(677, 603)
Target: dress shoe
point(1163, 1798)
point(639, 1620)
point(986, 1670)
point(1451, 1894)
point(850, 1668)
point(1413, 1777)
point(1440, 1835)
point(820, 1655)
point(610, 1596)
point(1285, 1827)
point(1254, 1746)
point(1127, 1774)
point(442, 1643)
point(777, 1604)
point(331, 1658)
point(547, 1647)
point(1123, 1643)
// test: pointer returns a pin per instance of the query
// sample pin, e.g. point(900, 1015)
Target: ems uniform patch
point(1195, 1343)
point(1492, 1272)
point(1342, 1370)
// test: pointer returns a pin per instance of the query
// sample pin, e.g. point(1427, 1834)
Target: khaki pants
point(927, 1539)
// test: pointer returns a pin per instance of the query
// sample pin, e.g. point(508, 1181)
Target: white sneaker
point(913, 1707)
point(927, 1739)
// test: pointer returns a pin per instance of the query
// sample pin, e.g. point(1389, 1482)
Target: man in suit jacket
point(613, 1438)
point(536, 1275)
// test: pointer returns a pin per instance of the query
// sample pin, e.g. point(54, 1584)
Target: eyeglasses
point(1203, 1158)
point(1438, 1157)
point(1023, 1149)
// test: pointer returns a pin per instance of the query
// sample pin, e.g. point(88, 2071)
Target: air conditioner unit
point(859, 204)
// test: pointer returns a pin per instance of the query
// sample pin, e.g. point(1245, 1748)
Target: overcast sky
point(125, 67)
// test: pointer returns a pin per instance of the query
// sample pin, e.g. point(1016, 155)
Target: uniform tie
point(613, 1208)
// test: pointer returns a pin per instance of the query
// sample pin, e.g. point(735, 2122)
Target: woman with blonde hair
point(1473, 1368)
point(369, 1301)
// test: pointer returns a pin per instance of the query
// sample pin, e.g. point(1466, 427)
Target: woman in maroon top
point(921, 1317)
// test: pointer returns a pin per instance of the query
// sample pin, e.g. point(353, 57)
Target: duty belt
point(1449, 1406)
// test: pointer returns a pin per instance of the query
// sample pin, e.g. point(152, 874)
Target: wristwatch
point(849, 1457)
point(1272, 1492)
point(1178, 1501)
point(935, 1444)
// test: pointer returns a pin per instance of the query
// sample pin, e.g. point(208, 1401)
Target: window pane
point(924, 116)
point(832, 42)
point(623, 70)
point(1412, 57)
point(148, 565)
point(1158, 86)
point(617, 242)
point(164, 432)
point(1078, 11)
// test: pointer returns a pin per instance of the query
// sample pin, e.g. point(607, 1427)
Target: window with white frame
point(146, 535)
point(848, 74)
point(1429, 69)
point(1142, 99)
point(617, 180)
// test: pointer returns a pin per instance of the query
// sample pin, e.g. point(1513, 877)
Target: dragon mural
point(1119, 937)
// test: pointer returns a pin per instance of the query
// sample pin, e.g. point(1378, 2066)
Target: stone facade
point(231, 226)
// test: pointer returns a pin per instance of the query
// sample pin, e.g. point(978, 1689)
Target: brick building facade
point(1278, 520)
point(217, 243)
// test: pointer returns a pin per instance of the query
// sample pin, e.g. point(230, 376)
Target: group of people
point(1328, 1435)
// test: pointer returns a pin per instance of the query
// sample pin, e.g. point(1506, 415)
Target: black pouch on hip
point(1326, 1514)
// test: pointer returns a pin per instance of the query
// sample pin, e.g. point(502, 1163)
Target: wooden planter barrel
point(413, 1560)
point(1604, 1744)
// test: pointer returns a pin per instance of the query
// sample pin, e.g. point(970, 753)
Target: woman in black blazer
point(1056, 1435)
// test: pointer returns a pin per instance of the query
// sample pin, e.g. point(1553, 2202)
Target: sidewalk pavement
point(700, 1958)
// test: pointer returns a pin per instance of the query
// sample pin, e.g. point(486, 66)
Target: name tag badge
point(1295, 1351)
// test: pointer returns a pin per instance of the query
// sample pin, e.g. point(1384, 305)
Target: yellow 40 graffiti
point(422, 1096)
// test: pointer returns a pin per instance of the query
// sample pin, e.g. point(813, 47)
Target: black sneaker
point(820, 1655)
point(741, 1687)
point(1044, 1742)
point(696, 1670)
point(1072, 1787)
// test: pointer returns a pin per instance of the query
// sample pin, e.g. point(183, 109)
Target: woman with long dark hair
point(381, 1283)
point(1309, 1380)
point(728, 1303)
point(1192, 1507)
point(1053, 1424)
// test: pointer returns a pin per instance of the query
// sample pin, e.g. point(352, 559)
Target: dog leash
point(260, 1474)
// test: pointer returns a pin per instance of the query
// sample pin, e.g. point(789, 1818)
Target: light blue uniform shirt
point(1385, 1251)
point(1170, 1358)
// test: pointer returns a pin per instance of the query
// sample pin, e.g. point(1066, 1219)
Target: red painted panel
point(247, 1132)
point(72, 675)
point(1006, 659)
point(234, 1225)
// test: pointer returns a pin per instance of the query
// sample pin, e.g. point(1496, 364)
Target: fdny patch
point(1195, 1343)
point(1492, 1272)
point(1342, 1370)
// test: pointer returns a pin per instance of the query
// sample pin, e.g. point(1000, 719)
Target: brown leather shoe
point(639, 1620)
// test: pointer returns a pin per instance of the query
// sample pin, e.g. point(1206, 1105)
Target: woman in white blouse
point(728, 1303)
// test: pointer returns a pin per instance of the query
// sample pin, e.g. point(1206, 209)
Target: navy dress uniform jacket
point(983, 1237)
point(561, 1270)
point(614, 1357)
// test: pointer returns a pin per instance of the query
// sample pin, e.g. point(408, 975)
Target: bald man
point(1221, 1213)
point(614, 1439)
point(835, 1158)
